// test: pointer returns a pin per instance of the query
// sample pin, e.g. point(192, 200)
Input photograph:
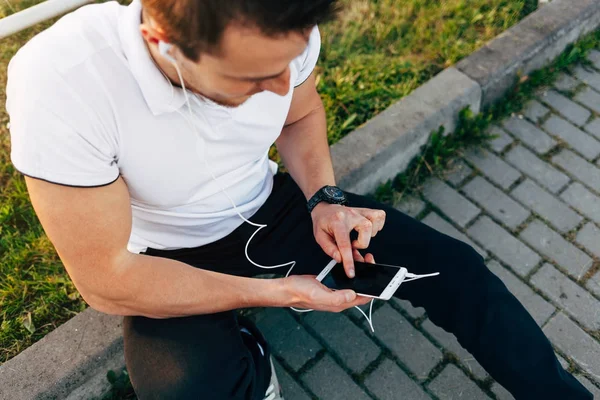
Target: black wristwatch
point(330, 194)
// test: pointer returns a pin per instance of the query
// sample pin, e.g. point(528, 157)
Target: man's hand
point(309, 293)
point(332, 225)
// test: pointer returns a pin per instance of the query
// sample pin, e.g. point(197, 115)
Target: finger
point(357, 255)
point(342, 298)
point(377, 218)
point(379, 221)
point(359, 301)
point(342, 240)
point(328, 245)
point(364, 227)
point(369, 258)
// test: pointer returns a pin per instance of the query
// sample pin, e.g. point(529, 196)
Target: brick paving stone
point(328, 380)
point(539, 308)
point(503, 245)
point(458, 172)
point(287, 338)
point(540, 171)
point(502, 140)
point(450, 343)
point(495, 202)
point(589, 98)
point(453, 384)
point(529, 134)
point(291, 389)
point(594, 128)
point(572, 298)
point(594, 284)
point(406, 343)
point(414, 312)
point(585, 144)
point(557, 213)
point(330, 325)
point(588, 76)
point(584, 171)
point(556, 248)
point(493, 167)
point(594, 57)
point(566, 83)
point(589, 237)
point(566, 107)
point(501, 393)
point(589, 386)
point(389, 382)
point(583, 201)
point(450, 202)
point(439, 224)
point(534, 110)
point(411, 205)
point(572, 340)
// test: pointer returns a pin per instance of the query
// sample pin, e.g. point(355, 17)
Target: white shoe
point(274, 390)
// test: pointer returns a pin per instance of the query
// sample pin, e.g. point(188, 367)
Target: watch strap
point(320, 196)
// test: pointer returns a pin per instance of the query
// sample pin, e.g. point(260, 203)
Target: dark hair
point(197, 26)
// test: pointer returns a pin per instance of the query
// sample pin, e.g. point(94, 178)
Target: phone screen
point(370, 279)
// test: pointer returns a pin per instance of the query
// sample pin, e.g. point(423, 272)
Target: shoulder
point(305, 62)
point(58, 63)
point(71, 41)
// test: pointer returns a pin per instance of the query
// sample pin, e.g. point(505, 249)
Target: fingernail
point(336, 256)
point(349, 296)
point(351, 273)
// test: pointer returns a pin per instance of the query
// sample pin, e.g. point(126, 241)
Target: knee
point(458, 260)
point(182, 381)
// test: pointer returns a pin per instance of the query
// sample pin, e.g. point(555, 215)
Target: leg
point(469, 301)
point(200, 357)
point(466, 299)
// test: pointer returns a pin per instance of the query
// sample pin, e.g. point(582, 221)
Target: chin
point(231, 103)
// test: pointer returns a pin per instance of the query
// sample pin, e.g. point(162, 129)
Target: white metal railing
point(36, 14)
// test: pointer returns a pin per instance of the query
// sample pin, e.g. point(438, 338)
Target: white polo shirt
point(87, 104)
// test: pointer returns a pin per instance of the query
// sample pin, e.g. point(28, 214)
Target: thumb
point(344, 296)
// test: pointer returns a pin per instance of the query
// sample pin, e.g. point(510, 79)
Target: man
point(138, 184)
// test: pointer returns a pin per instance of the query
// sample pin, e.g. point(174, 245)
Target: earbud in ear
point(163, 49)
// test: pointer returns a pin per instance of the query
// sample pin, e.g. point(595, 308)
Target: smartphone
point(371, 280)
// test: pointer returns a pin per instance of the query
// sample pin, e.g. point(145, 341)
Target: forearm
point(162, 288)
point(305, 152)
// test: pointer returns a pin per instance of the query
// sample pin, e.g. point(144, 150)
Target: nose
point(279, 85)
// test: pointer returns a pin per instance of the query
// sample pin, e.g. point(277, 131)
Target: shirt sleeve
point(307, 61)
point(55, 134)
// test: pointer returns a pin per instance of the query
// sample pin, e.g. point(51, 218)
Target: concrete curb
point(382, 147)
point(386, 144)
point(71, 361)
point(68, 358)
point(529, 45)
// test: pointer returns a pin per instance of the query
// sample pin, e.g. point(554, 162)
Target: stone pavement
point(529, 202)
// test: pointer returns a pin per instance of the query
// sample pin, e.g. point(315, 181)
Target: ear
point(151, 34)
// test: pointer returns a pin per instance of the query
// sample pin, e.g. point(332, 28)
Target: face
point(248, 63)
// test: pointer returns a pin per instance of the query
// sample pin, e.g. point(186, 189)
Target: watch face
point(335, 193)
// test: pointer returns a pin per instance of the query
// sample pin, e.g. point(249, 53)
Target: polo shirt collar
point(160, 95)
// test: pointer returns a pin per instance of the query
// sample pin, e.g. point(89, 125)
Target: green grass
point(441, 150)
point(376, 53)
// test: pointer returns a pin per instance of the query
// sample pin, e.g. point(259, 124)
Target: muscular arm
point(303, 141)
point(305, 152)
point(90, 227)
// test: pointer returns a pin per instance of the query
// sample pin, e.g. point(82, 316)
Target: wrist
point(280, 293)
point(327, 194)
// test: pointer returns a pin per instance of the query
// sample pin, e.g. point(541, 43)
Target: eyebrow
point(262, 78)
